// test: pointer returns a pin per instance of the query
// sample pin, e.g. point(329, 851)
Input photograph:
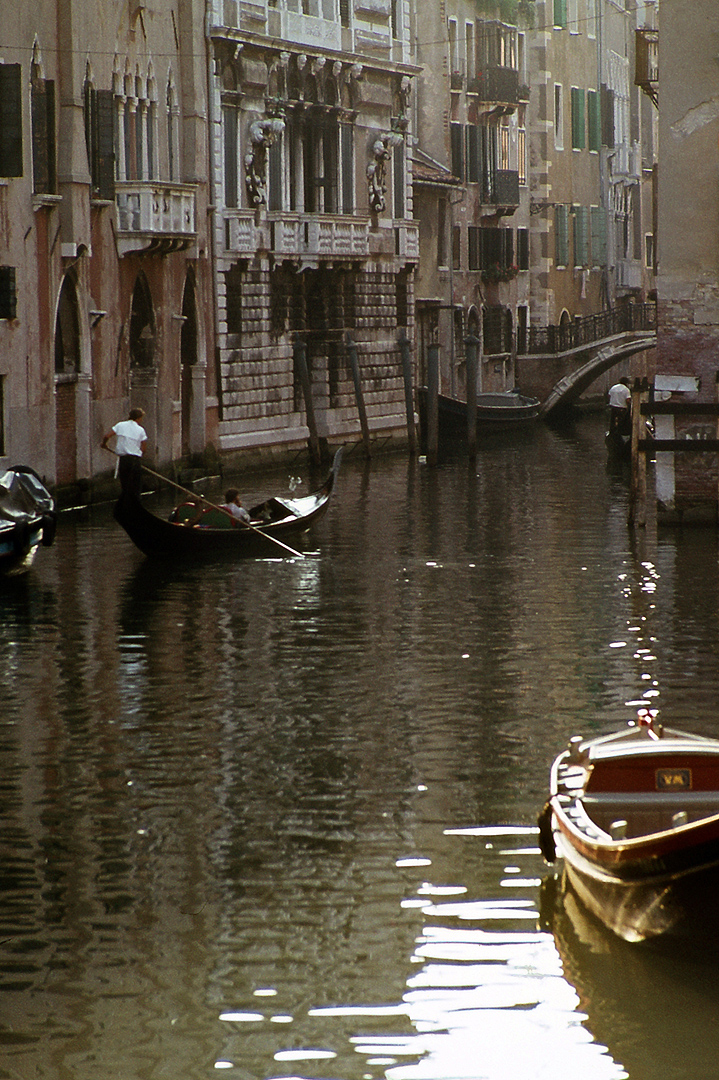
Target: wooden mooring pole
point(299, 352)
point(472, 351)
point(359, 396)
point(638, 482)
point(405, 345)
point(432, 404)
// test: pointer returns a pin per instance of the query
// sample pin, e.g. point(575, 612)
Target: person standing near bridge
point(620, 399)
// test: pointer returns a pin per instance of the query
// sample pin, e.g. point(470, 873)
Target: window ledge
point(45, 202)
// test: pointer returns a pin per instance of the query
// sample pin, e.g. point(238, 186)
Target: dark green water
point(276, 819)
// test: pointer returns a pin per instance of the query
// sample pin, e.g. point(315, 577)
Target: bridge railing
point(585, 330)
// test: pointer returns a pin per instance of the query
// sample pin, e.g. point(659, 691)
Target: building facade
point(471, 192)
point(105, 279)
point(314, 243)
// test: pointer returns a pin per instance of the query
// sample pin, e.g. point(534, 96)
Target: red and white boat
point(635, 817)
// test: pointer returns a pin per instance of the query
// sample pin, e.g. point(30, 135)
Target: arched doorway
point(67, 369)
point(188, 367)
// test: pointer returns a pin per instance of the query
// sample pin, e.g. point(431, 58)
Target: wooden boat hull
point(27, 519)
point(164, 539)
point(495, 413)
point(637, 826)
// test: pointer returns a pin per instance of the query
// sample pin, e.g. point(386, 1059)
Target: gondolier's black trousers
point(130, 474)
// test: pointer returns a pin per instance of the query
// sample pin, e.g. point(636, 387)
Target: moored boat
point(27, 518)
point(635, 817)
point(197, 528)
point(494, 411)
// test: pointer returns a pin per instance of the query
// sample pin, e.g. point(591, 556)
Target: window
point(558, 117)
point(594, 121)
point(592, 18)
point(100, 141)
point(454, 64)
point(496, 248)
point(649, 250)
point(42, 111)
point(522, 154)
point(473, 243)
point(581, 236)
point(473, 154)
point(598, 216)
point(523, 249)
point(504, 146)
point(560, 14)
point(442, 233)
point(572, 20)
point(456, 247)
point(579, 139)
point(8, 293)
point(469, 49)
point(347, 167)
point(456, 136)
point(398, 179)
point(10, 120)
point(607, 111)
point(561, 235)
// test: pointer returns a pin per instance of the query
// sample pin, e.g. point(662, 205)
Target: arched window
point(67, 331)
point(142, 325)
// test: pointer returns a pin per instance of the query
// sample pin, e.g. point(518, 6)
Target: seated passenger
point(233, 505)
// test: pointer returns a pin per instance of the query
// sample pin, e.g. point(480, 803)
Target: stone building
point(104, 275)
point(593, 151)
point(314, 242)
point(471, 192)
point(688, 248)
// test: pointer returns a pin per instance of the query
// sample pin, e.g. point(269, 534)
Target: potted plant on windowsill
point(496, 274)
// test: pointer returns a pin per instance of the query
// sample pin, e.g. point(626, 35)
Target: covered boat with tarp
point(27, 518)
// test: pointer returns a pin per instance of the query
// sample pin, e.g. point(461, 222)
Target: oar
point(195, 497)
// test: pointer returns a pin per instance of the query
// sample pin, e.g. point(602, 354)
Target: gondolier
point(130, 443)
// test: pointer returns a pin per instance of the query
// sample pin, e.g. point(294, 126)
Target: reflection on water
point(277, 818)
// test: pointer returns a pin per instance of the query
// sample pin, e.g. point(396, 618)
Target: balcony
point(629, 274)
point(154, 217)
point(646, 68)
point(297, 236)
point(496, 85)
point(501, 189)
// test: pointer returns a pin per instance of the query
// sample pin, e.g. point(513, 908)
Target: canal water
point(277, 818)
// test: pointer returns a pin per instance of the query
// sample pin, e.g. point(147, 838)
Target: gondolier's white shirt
point(619, 396)
point(129, 438)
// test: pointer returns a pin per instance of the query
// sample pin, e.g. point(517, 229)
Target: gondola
point(635, 817)
point(196, 528)
point(27, 519)
point(495, 412)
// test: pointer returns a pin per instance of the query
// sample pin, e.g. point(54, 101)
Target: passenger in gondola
point(130, 444)
point(620, 399)
point(233, 505)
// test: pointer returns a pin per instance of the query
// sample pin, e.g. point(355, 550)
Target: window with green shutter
point(560, 13)
point(579, 140)
point(561, 235)
point(594, 121)
point(581, 236)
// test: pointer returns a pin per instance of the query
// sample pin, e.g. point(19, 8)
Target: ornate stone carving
point(262, 135)
point(376, 169)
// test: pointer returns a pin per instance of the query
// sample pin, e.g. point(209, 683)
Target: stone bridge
point(561, 362)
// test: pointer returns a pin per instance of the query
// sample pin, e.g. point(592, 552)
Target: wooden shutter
point(10, 120)
point(104, 173)
point(42, 101)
